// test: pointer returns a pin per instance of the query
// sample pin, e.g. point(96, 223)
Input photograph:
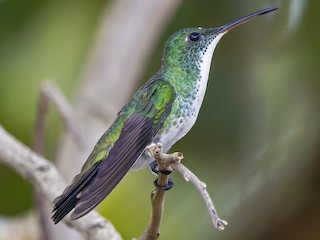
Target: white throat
point(205, 67)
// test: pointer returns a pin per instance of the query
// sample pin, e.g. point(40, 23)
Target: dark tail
point(70, 196)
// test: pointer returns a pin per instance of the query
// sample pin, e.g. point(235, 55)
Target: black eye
point(194, 36)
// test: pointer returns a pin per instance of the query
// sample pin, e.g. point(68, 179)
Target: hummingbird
point(162, 111)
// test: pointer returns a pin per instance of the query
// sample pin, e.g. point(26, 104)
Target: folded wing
point(115, 152)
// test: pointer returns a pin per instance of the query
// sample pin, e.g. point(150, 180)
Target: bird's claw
point(154, 167)
point(166, 187)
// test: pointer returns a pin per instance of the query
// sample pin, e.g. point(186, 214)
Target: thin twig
point(39, 127)
point(38, 142)
point(172, 162)
point(157, 203)
point(41, 216)
point(201, 186)
point(158, 195)
point(50, 93)
point(45, 178)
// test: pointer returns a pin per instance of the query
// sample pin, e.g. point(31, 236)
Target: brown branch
point(172, 162)
point(45, 179)
point(157, 196)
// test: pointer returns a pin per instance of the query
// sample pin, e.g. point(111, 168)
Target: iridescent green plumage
point(152, 101)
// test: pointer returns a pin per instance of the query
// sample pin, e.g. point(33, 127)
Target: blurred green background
point(255, 144)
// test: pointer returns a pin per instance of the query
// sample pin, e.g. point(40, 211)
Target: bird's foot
point(166, 187)
point(154, 168)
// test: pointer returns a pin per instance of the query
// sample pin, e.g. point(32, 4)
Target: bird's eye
point(194, 36)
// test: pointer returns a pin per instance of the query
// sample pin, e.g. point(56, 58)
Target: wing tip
point(60, 211)
point(68, 200)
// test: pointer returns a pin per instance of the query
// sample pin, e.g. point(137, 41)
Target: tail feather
point(69, 198)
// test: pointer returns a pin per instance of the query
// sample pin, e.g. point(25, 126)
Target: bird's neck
point(183, 77)
point(189, 74)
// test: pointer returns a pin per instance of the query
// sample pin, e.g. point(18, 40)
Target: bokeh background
point(256, 143)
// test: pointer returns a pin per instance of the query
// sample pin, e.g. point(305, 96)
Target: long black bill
point(243, 20)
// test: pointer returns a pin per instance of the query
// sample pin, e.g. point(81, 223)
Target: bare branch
point(157, 202)
point(42, 216)
point(50, 93)
point(169, 162)
point(45, 178)
point(201, 186)
point(157, 196)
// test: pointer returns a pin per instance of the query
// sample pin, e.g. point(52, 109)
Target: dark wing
point(68, 199)
point(131, 143)
point(139, 122)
